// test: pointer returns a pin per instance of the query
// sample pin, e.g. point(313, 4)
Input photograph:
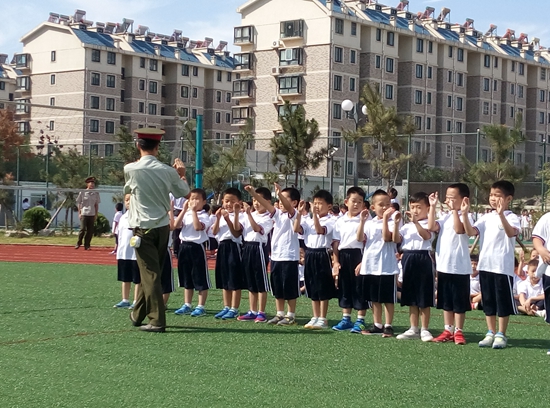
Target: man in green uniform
point(150, 182)
point(88, 206)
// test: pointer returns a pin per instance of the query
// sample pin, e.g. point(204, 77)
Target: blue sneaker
point(247, 317)
point(358, 327)
point(231, 314)
point(122, 305)
point(221, 313)
point(184, 310)
point(345, 324)
point(198, 312)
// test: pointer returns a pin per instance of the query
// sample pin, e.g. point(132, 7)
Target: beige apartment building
point(451, 78)
point(83, 81)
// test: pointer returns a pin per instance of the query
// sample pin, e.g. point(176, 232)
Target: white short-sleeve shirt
point(225, 233)
point(411, 239)
point(264, 221)
point(189, 233)
point(475, 287)
point(529, 290)
point(284, 241)
point(116, 220)
point(452, 253)
point(304, 218)
point(124, 250)
point(314, 240)
point(379, 256)
point(542, 231)
point(496, 252)
point(345, 232)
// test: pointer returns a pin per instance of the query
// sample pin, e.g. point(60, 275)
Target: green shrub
point(101, 225)
point(36, 219)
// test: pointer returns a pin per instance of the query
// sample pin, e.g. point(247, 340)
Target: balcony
point(240, 116)
point(290, 85)
point(23, 84)
point(21, 61)
point(242, 89)
point(243, 35)
point(292, 30)
point(243, 62)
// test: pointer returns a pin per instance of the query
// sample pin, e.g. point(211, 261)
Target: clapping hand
point(465, 205)
point(433, 199)
point(179, 166)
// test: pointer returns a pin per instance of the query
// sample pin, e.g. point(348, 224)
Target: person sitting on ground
point(475, 289)
point(531, 293)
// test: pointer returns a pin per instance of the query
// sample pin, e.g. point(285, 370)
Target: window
point(339, 26)
point(185, 70)
point(337, 111)
point(353, 29)
point(338, 54)
point(458, 152)
point(459, 104)
point(542, 73)
point(487, 61)
point(378, 34)
point(353, 57)
point(141, 62)
point(109, 128)
point(141, 85)
point(22, 106)
point(450, 76)
point(52, 56)
point(430, 47)
point(389, 65)
point(389, 91)
point(110, 104)
point(219, 76)
point(281, 109)
point(519, 158)
point(94, 125)
point(184, 92)
point(195, 71)
point(52, 79)
point(153, 87)
point(486, 108)
point(512, 89)
point(390, 39)
point(495, 62)
point(513, 66)
point(218, 96)
point(378, 61)
point(336, 139)
point(294, 28)
point(419, 71)
point(417, 146)
point(521, 69)
point(94, 149)
point(185, 112)
point(52, 101)
point(337, 83)
point(290, 56)
point(350, 168)
point(495, 85)
point(511, 111)
point(94, 102)
point(418, 97)
point(484, 155)
point(459, 79)
point(542, 95)
point(495, 109)
point(429, 72)
point(96, 78)
point(428, 127)
point(153, 65)
point(520, 91)
point(2, 85)
point(96, 56)
point(458, 127)
point(460, 54)
point(195, 92)
point(109, 148)
point(152, 109)
point(21, 60)
point(541, 118)
point(243, 34)
point(418, 122)
point(449, 128)
point(111, 58)
point(448, 150)
point(290, 85)
point(229, 77)
point(450, 51)
point(242, 62)
point(419, 45)
point(428, 98)
point(51, 125)
point(110, 81)
point(228, 97)
point(240, 115)
point(449, 101)
point(242, 88)
point(227, 118)
point(486, 84)
point(141, 107)
point(352, 84)
point(218, 117)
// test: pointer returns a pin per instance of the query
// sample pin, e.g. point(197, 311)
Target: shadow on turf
point(233, 329)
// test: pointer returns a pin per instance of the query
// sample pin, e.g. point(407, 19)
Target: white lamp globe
point(347, 105)
point(364, 110)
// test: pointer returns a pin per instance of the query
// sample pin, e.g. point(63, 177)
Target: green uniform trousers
point(150, 257)
point(86, 230)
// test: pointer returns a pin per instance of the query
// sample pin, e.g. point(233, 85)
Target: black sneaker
point(372, 330)
point(387, 332)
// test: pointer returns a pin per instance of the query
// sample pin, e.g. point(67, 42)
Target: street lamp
point(542, 199)
point(330, 158)
point(352, 110)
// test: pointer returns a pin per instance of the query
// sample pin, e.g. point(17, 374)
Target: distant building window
point(487, 61)
point(141, 85)
point(52, 56)
point(51, 125)
point(495, 85)
point(109, 128)
point(290, 56)
point(52, 101)
point(336, 139)
point(185, 70)
point(429, 72)
point(378, 34)
point(243, 34)
point(460, 54)
point(153, 65)
point(184, 92)
point(94, 125)
point(218, 96)
point(227, 118)
point(389, 65)
point(430, 47)
point(521, 69)
point(141, 62)
point(513, 66)
point(109, 148)
point(218, 117)
point(337, 111)
point(352, 56)
point(541, 118)
point(96, 78)
point(193, 113)
point(389, 91)
point(450, 76)
point(353, 29)
point(152, 109)
point(543, 74)
point(96, 56)
point(450, 51)
point(229, 77)
point(339, 26)
point(390, 40)
point(486, 108)
point(338, 54)
point(460, 79)
point(110, 104)
point(2, 85)
point(449, 128)
point(110, 81)
point(293, 28)
point(219, 76)
point(378, 61)
point(337, 82)
point(449, 101)
point(52, 79)
point(352, 84)
point(94, 102)
point(290, 85)
point(111, 58)
point(428, 127)
point(520, 91)
point(418, 97)
point(195, 93)
point(418, 122)
point(486, 84)
point(542, 95)
point(228, 97)
point(153, 87)
point(141, 107)
point(419, 71)
point(459, 104)
point(195, 71)
point(495, 62)
point(428, 98)
point(419, 45)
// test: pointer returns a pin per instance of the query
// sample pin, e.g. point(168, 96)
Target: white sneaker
point(426, 336)
point(309, 325)
point(488, 340)
point(320, 324)
point(541, 313)
point(409, 335)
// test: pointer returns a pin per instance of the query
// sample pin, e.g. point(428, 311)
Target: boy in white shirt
point(285, 253)
point(347, 254)
point(317, 233)
point(475, 288)
point(453, 263)
point(116, 220)
point(541, 242)
point(228, 229)
point(418, 290)
point(378, 267)
point(193, 223)
point(531, 292)
point(257, 227)
point(497, 239)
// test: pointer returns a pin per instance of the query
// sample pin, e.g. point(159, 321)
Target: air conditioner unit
point(276, 44)
point(275, 71)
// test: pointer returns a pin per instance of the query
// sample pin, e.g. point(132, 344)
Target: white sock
point(346, 315)
point(414, 329)
point(290, 314)
point(188, 304)
point(379, 325)
point(449, 328)
point(125, 300)
point(281, 313)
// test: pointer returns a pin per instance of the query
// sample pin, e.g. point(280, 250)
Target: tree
point(502, 140)
point(387, 129)
point(126, 152)
point(292, 149)
point(10, 139)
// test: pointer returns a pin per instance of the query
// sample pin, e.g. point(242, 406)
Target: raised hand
point(224, 213)
point(302, 206)
point(237, 208)
point(247, 208)
point(179, 166)
point(364, 214)
point(185, 206)
point(277, 188)
point(411, 216)
point(397, 217)
point(500, 206)
point(249, 188)
point(465, 205)
point(219, 213)
point(433, 198)
point(388, 212)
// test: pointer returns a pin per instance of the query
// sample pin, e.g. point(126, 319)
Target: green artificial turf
point(63, 345)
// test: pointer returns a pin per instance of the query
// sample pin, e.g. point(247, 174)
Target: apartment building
point(83, 81)
point(451, 78)
point(8, 83)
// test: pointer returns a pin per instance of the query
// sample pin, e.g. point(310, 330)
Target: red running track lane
point(63, 254)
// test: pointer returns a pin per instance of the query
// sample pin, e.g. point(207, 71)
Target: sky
point(216, 18)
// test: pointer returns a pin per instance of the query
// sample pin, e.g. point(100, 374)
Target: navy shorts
point(497, 294)
point(255, 260)
point(318, 275)
point(418, 279)
point(453, 292)
point(229, 269)
point(350, 287)
point(192, 267)
point(379, 288)
point(128, 271)
point(167, 275)
point(285, 280)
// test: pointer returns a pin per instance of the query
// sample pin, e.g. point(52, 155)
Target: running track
point(63, 254)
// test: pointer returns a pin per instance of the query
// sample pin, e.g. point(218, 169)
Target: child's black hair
point(206, 207)
point(367, 204)
point(119, 206)
point(325, 196)
point(264, 192)
point(215, 208)
point(533, 262)
point(344, 207)
point(463, 189)
point(379, 192)
point(505, 186)
point(396, 206)
point(336, 209)
point(307, 206)
point(201, 192)
point(392, 192)
point(474, 257)
point(293, 193)
point(232, 191)
point(420, 197)
point(356, 190)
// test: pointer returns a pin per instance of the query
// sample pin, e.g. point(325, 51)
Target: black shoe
point(373, 330)
point(152, 329)
point(387, 332)
point(77, 246)
point(134, 321)
point(86, 248)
